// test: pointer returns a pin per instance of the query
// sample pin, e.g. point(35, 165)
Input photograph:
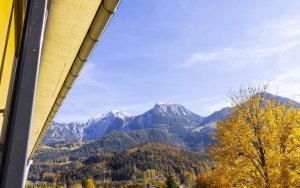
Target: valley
point(118, 150)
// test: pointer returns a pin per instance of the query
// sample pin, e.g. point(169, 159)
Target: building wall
point(11, 18)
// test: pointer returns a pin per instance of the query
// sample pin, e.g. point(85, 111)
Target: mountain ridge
point(173, 120)
point(97, 126)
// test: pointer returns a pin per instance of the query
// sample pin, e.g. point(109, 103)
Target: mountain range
point(170, 123)
point(118, 149)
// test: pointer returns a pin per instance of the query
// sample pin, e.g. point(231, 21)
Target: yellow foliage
point(77, 185)
point(89, 183)
point(189, 178)
point(258, 143)
point(212, 179)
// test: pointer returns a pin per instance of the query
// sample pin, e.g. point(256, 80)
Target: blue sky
point(190, 52)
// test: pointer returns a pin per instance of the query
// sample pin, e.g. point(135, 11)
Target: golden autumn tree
point(89, 183)
point(189, 178)
point(259, 143)
point(213, 179)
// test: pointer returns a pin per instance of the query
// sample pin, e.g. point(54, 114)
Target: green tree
point(171, 182)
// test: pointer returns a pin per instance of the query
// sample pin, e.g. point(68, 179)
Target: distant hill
point(161, 157)
point(112, 142)
point(134, 163)
point(120, 140)
point(216, 116)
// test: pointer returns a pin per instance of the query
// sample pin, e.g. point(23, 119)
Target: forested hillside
point(149, 162)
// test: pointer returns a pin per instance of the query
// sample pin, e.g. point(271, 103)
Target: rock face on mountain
point(62, 132)
point(93, 129)
point(97, 127)
point(165, 114)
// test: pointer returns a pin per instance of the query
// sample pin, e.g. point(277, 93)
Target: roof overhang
point(72, 30)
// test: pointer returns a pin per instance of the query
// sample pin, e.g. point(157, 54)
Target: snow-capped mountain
point(173, 118)
point(93, 129)
point(96, 128)
point(162, 114)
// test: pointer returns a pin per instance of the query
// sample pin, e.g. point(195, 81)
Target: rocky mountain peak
point(168, 109)
point(118, 114)
point(95, 118)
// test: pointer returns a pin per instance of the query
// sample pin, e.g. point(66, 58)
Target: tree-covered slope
point(134, 163)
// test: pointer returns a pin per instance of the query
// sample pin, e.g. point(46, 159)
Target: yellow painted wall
point(11, 21)
point(7, 38)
